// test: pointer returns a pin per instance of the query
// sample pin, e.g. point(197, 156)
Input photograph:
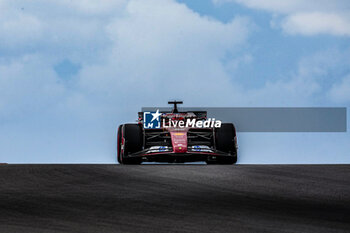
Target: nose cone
point(179, 141)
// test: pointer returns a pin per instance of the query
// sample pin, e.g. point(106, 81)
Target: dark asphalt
point(174, 198)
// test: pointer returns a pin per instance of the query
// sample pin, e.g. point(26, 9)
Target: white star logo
point(155, 115)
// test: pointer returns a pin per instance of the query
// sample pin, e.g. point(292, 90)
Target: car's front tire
point(225, 141)
point(119, 143)
point(130, 140)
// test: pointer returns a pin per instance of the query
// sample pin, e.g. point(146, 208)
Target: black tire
point(119, 140)
point(225, 142)
point(133, 142)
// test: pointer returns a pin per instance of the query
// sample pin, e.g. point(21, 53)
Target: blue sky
point(71, 71)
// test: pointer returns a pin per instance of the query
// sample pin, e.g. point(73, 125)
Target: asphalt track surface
point(174, 198)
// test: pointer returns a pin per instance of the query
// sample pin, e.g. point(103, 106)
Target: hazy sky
point(71, 71)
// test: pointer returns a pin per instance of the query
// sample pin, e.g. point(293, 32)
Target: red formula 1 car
point(176, 137)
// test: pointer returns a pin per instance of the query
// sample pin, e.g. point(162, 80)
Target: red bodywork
point(179, 140)
point(178, 135)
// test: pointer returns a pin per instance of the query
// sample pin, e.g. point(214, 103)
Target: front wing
point(166, 154)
